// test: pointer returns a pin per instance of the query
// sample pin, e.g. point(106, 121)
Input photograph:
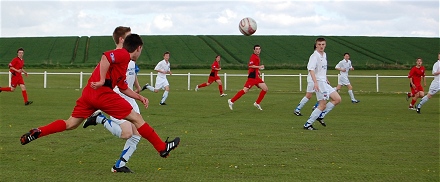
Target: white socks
point(301, 104)
point(164, 97)
point(129, 148)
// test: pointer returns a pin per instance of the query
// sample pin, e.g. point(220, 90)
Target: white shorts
point(434, 87)
point(324, 91)
point(161, 83)
point(132, 103)
point(310, 87)
point(343, 80)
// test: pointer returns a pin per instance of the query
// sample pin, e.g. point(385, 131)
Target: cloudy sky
point(389, 18)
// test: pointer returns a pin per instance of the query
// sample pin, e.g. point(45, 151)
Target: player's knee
point(126, 135)
point(155, 90)
point(207, 84)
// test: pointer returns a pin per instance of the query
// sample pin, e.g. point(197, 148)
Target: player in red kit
point(99, 95)
point(16, 68)
point(213, 77)
point(416, 74)
point(253, 80)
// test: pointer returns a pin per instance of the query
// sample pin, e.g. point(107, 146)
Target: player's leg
point(350, 93)
point(147, 132)
point(433, 89)
point(263, 92)
point(305, 99)
point(237, 96)
point(322, 97)
point(204, 84)
point(220, 87)
point(129, 147)
point(24, 94)
point(335, 100)
point(165, 94)
point(54, 127)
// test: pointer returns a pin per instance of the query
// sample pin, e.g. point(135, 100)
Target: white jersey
point(318, 63)
point(130, 76)
point(436, 68)
point(162, 65)
point(344, 64)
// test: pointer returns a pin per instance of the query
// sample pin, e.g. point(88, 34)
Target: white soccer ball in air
point(247, 26)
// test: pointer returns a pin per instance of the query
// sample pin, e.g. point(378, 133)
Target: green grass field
point(378, 139)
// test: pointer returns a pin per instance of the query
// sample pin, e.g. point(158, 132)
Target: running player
point(253, 80)
point(118, 127)
point(162, 68)
point(317, 67)
point(344, 66)
point(16, 68)
point(416, 75)
point(213, 76)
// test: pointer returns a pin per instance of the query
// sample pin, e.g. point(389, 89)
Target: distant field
point(378, 139)
point(189, 52)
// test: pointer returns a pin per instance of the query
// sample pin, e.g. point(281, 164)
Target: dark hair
point(132, 42)
point(218, 55)
point(166, 52)
point(256, 46)
point(320, 39)
point(120, 32)
point(20, 49)
point(346, 53)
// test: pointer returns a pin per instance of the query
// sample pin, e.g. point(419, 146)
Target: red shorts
point(250, 82)
point(213, 79)
point(417, 89)
point(103, 98)
point(16, 80)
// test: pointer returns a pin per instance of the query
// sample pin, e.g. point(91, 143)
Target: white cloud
point(300, 17)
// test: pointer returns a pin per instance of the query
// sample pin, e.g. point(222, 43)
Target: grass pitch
point(378, 139)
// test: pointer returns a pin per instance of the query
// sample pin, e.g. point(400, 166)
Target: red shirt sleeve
point(411, 72)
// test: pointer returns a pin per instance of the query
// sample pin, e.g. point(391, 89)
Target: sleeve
point(351, 66)
point(338, 65)
point(215, 65)
point(253, 61)
point(435, 68)
point(158, 66)
point(12, 63)
point(312, 63)
point(411, 72)
point(123, 85)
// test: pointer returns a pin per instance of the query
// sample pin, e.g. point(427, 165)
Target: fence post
point(300, 82)
point(377, 82)
point(189, 81)
point(10, 76)
point(262, 76)
point(151, 79)
point(45, 79)
point(81, 80)
point(225, 82)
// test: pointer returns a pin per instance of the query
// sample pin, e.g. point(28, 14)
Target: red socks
point(24, 93)
point(6, 89)
point(220, 88)
point(238, 95)
point(202, 85)
point(413, 102)
point(261, 96)
point(54, 127)
point(148, 133)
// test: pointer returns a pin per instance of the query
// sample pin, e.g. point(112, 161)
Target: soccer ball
point(247, 26)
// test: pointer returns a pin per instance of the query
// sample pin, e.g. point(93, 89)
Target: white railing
point(189, 75)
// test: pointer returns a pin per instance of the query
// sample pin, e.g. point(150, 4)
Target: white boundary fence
point(189, 75)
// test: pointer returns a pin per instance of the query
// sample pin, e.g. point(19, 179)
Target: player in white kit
point(162, 68)
point(434, 87)
point(344, 66)
point(317, 67)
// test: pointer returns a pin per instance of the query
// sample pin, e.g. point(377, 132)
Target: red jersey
point(16, 63)
point(116, 74)
point(254, 72)
point(416, 74)
point(214, 66)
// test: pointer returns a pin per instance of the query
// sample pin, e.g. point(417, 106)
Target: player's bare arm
point(137, 87)
point(103, 68)
point(134, 95)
